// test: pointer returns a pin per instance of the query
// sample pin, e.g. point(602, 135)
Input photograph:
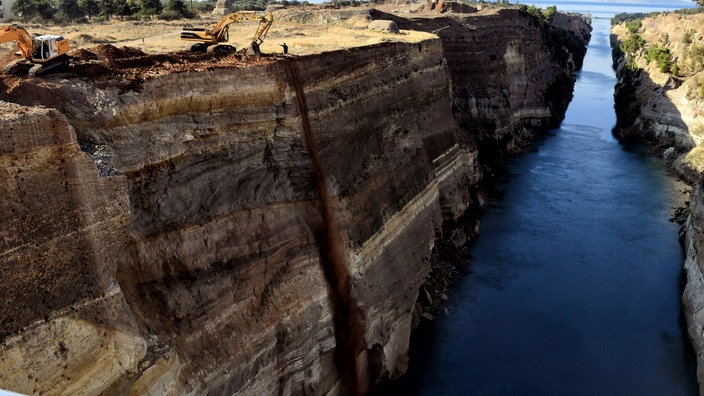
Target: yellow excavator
point(209, 39)
point(41, 54)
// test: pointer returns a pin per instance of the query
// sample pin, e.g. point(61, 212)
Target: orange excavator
point(42, 54)
point(209, 39)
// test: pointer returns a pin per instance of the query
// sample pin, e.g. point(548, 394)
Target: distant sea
point(609, 9)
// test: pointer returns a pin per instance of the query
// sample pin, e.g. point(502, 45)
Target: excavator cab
point(41, 54)
point(47, 47)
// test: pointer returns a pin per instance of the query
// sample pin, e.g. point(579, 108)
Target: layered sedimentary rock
point(249, 229)
point(530, 67)
point(665, 109)
point(65, 322)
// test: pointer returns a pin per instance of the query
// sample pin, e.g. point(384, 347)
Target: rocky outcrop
point(665, 109)
point(531, 67)
point(253, 228)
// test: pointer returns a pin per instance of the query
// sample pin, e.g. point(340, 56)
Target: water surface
point(574, 286)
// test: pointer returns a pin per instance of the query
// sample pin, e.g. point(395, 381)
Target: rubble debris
point(102, 155)
point(126, 67)
point(83, 55)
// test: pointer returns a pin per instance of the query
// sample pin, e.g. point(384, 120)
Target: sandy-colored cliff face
point(662, 106)
point(190, 225)
point(666, 110)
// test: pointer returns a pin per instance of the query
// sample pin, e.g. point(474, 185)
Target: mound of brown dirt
point(109, 52)
point(132, 52)
point(83, 55)
point(8, 57)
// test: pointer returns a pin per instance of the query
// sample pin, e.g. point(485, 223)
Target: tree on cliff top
point(700, 3)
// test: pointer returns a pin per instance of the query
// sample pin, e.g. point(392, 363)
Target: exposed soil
point(8, 57)
point(127, 67)
point(107, 60)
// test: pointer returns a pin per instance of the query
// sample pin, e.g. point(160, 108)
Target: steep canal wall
point(660, 99)
point(194, 224)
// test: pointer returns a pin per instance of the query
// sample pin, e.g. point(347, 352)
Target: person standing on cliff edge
point(285, 48)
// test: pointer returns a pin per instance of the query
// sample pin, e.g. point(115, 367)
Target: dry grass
point(305, 30)
point(695, 159)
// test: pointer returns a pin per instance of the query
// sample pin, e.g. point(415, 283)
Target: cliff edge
point(190, 224)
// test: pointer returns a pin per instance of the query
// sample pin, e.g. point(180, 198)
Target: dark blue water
point(574, 288)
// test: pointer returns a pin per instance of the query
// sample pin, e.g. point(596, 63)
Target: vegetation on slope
point(666, 50)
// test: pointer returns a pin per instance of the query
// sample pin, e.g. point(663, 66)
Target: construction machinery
point(41, 54)
point(209, 39)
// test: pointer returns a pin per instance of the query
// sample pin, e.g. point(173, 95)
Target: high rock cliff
point(502, 111)
point(665, 108)
point(227, 227)
point(661, 106)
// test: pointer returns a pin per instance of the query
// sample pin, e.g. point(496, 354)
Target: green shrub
point(634, 25)
point(696, 58)
point(662, 56)
point(631, 64)
point(550, 12)
point(632, 44)
point(625, 17)
point(687, 38)
point(536, 13)
point(664, 39)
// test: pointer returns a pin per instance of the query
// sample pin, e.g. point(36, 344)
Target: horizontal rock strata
point(167, 234)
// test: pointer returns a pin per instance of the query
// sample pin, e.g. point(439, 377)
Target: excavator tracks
point(59, 64)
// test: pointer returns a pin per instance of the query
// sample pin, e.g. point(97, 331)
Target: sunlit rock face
point(169, 234)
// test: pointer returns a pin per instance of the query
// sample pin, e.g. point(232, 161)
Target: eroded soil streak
point(349, 327)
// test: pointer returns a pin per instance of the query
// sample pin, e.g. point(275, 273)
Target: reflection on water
point(574, 285)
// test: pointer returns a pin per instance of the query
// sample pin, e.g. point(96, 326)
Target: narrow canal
point(574, 285)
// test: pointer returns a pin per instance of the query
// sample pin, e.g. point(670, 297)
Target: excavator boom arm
point(223, 24)
point(16, 33)
point(219, 32)
point(264, 25)
point(265, 21)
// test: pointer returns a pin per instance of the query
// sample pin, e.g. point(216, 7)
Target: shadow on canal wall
point(653, 107)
